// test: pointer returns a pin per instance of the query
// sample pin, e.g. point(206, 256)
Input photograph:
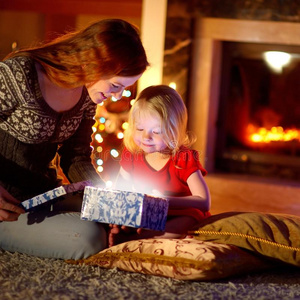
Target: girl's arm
point(200, 194)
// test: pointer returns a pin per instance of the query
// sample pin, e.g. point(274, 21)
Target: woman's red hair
point(105, 49)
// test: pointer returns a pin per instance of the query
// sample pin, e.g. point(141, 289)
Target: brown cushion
point(272, 235)
point(186, 259)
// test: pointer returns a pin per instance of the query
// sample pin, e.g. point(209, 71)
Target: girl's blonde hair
point(105, 49)
point(164, 102)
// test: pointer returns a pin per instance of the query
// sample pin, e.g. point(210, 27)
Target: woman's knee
point(59, 235)
point(82, 238)
point(91, 239)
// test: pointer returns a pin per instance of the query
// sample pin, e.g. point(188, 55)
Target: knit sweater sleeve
point(12, 92)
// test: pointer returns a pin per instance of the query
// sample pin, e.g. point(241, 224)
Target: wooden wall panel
point(120, 8)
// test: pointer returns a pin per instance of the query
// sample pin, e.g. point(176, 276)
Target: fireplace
point(258, 122)
point(246, 116)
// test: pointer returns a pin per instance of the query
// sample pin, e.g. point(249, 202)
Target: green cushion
point(272, 235)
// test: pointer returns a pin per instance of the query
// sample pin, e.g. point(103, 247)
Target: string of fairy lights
point(108, 135)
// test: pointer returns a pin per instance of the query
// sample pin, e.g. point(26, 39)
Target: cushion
point(275, 236)
point(186, 259)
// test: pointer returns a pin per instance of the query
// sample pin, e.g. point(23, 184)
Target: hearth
point(246, 117)
point(258, 125)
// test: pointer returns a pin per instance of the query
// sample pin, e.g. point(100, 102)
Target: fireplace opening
point(258, 125)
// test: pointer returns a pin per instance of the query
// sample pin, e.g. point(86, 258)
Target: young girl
point(157, 160)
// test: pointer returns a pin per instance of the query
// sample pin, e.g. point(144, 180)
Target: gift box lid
point(53, 194)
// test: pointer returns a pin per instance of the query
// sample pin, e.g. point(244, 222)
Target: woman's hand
point(9, 209)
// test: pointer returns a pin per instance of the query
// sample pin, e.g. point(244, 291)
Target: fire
point(275, 134)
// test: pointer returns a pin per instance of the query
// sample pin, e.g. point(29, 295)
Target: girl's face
point(114, 86)
point(147, 133)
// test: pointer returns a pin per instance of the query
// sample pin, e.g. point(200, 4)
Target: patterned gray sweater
point(32, 133)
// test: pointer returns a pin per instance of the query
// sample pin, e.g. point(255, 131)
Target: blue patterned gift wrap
point(124, 208)
point(43, 198)
point(53, 194)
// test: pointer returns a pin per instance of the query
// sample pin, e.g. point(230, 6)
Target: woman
point(48, 99)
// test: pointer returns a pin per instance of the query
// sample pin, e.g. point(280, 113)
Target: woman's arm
point(75, 156)
point(200, 197)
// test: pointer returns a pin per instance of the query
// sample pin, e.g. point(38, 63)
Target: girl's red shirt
point(171, 180)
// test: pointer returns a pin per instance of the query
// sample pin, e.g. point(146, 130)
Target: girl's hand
point(114, 230)
point(119, 234)
point(128, 230)
point(9, 209)
point(131, 230)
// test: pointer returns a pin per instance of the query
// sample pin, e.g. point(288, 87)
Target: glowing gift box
point(54, 194)
point(124, 208)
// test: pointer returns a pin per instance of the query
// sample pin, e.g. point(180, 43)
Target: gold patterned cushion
point(275, 236)
point(186, 259)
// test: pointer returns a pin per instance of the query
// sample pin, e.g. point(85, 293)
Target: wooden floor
point(246, 193)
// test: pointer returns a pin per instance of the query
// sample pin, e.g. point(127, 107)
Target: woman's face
point(111, 87)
